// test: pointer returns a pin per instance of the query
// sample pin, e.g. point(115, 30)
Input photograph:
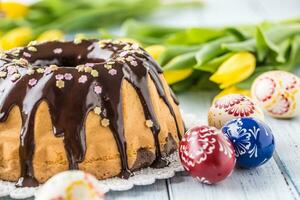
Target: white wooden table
point(277, 179)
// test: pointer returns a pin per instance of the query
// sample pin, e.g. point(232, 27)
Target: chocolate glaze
point(30, 75)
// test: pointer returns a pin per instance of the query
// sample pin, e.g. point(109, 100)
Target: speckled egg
point(230, 107)
point(252, 140)
point(278, 93)
point(206, 154)
point(71, 185)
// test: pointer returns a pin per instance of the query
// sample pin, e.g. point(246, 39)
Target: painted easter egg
point(206, 154)
point(232, 106)
point(278, 93)
point(72, 185)
point(252, 140)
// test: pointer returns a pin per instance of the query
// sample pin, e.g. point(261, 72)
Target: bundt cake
point(99, 106)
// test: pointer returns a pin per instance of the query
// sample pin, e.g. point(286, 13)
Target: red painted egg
point(207, 154)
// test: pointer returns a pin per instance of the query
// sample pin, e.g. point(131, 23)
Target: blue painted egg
point(252, 140)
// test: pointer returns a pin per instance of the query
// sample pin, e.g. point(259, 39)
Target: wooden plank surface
point(287, 156)
point(262, 183)
point(157, 191)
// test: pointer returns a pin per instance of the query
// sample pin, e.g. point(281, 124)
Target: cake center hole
point(64, 62)
point(67, 54)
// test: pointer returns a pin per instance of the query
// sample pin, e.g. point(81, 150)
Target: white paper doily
point(145, 176)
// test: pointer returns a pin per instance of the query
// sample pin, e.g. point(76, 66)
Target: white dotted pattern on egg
point(278, 93)
point(230, 107)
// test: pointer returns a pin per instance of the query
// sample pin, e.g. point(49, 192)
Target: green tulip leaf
point(183, 61)
point(213, 65)
point(194, 36)
point(212, 49)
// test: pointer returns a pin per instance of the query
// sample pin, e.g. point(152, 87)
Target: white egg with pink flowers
point(278, 93)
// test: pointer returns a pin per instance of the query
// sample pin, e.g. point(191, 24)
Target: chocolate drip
point(139, 79)
point(30, 75)
point(26, 149)
point(175, 99)
point(112, 103)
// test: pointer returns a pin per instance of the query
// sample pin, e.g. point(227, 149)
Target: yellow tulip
point(177, 75)
point(51, 35)
point(79, 37)
point(13, 9)
point(232, 90)
point(155, 50)
point(16, 38)
point(235, 69)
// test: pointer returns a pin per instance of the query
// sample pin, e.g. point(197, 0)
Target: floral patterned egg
point(252, 140)
point(278, 93)
point(230, 107)
point(71, 185)
point(206, 154)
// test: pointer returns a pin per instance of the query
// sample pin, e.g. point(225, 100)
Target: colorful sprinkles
point(57, 51)
point(107, 66)
point(98, 89)
point(30, 71)
point(149, 123)
point(3, 55)
point(124, 56)
point(15, 76)
point(68, 76)
point(97, 110)
point(80, 68)
point(28, 55)
point(59, 76)
point(31, 48)
point(20, 61)
point(53, 67)
point(94, 73)
point(11, 69)
point(105, 122)
point(88, 69)
point(40, 70)
point(112, 72)
point(32, 82)
point(60, 84)
point(82, 79)
point(3, 74)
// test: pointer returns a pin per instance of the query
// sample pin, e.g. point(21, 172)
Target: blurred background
point(201, 44)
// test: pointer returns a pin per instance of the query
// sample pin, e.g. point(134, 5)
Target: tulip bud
point(232, 90)
point(13, 9)
point(16, 38)
point(51, 35)
point(155, 50)
point(175, 76)
point(235, 69)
